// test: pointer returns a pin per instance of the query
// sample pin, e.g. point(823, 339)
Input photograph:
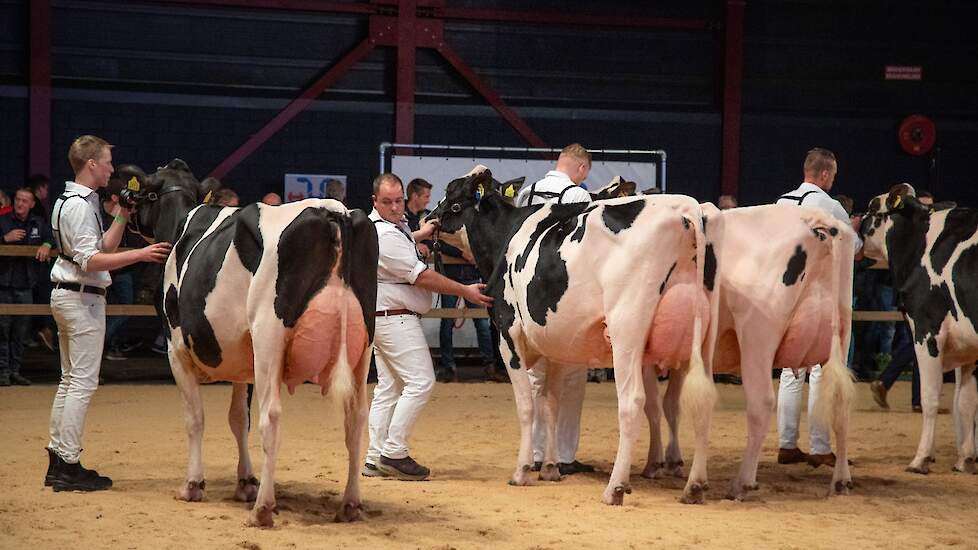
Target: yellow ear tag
point(480, 192)
point(510, 192)
point(133, 184)
point(207, 198)
point(897, 201)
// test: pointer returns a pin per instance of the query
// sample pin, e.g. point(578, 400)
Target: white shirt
point(398, 267)
point(77, 225)
point(555, 187)
point(811, 195)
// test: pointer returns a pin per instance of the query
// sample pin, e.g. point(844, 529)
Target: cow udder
point(317, 339)
point(671, 336)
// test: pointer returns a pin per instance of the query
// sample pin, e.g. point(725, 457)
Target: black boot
point(54, 467)
point(74, 477)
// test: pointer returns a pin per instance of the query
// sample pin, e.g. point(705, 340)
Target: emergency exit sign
point(902, 72)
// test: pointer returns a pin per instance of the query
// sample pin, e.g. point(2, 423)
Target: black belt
point(390, 312)
point(81, 288)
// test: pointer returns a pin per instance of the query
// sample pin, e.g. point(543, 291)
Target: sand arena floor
point(468, 436)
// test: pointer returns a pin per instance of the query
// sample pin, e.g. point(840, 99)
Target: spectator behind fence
point(18, 276)
point(225, 197)
point(726, 202)
point(336, 189)
point(272, 199)
point(81, 275)
point(6, 205)
point(44, 326)
point(418, 196)
point(39, 184)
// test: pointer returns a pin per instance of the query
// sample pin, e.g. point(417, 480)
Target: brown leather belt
point(81, 288)
point(390, 312)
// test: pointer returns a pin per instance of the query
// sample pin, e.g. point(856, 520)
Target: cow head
point(462, 199)
point(899, 201)
point(618, 187)
point(163, 199)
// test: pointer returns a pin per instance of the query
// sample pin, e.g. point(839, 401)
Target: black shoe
point(371, 470)
point(403, 468)
point(18, 380)
point(569, 468)
point(75, 477)
point(536, 466)
point(54, 467)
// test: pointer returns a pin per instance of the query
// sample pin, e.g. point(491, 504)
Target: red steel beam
point(296, 106)
point(490, 96)
point(733, 69)
point(541, 17)
point(284, 5)
point(39, 99)
point(406, 71)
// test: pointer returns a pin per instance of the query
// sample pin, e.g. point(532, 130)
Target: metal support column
point(39, 101)
point(733, 69)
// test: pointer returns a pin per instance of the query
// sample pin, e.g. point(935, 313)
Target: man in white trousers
point(405, 373)
point(819, 170)
point(79, 277)
point(560, 186)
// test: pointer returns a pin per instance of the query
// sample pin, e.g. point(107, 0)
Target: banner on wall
point(440, 171)
point(308, 186)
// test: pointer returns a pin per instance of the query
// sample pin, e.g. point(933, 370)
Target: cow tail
point(699, 394)
point(837, 390)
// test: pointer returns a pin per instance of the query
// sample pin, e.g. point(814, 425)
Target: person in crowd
point(80, 276)
point(6, 205)
point(272, 199)
point(335, 189)
point(820, 169)
point(18, 276)
point(405, 375)
point(225, 197)
point(418, 196)
point(562, 185)
point(44, 327)
point(726, 202)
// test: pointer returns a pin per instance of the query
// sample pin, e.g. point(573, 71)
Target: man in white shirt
point(80, 276)
point(561, 186)
point(820, 169)
point(405, 374)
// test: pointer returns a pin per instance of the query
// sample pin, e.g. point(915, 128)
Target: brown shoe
point(940, 410)
point(879, 393)
point(791, 456)
point(493, 374)
point(817, 460)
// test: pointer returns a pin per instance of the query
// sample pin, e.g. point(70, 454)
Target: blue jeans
point(482, 332)
point(13, 330)
point(903, 357)
point(122, 291)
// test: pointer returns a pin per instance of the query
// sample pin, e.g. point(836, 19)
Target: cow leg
point(653, 411)
point(931, 375)
point(238, 418)
point(523, 395)
point(966, 403)
point(670, 405)
point(755, 372)
point(551, 402)
point(192, 489)
point(357, 410)
point(269, 359)
point(631, 404)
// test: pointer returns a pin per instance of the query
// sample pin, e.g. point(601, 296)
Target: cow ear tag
point(897, 201)
point(510, 192)
point(133, 184)
point(207, 198)
point(479, 193)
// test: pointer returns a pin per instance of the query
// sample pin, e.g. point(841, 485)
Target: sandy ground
point(468, 436)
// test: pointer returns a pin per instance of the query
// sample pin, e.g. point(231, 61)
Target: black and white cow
point(272, 295)
point(933, 257)
point(618, 282)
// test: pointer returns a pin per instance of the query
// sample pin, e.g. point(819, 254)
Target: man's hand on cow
point(14, 235)
point(423, 250)
point(155, 253)
point(473, 293)
point(43, 253)
point(426, 230)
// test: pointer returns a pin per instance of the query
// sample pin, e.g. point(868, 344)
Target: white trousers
point(405, 380)
point(789, 411)
point(568, 411)
point(81, 333)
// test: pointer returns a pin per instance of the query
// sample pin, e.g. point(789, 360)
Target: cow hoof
point(192, 491)
point(247, 490)
point(261, 517)
point(842, 488)
point(923, 470)
point(694, 493)
point(617, 495)
point(675, 469)
point(932, 460)
point(550, 472)
point(348, 512)
point(654, 470)
point(967, 466)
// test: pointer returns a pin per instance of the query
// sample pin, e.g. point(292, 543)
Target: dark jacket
point(23, 271)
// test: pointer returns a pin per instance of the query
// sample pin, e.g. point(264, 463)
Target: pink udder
point(317, 337)
point(671, 336)
point(808, 339)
